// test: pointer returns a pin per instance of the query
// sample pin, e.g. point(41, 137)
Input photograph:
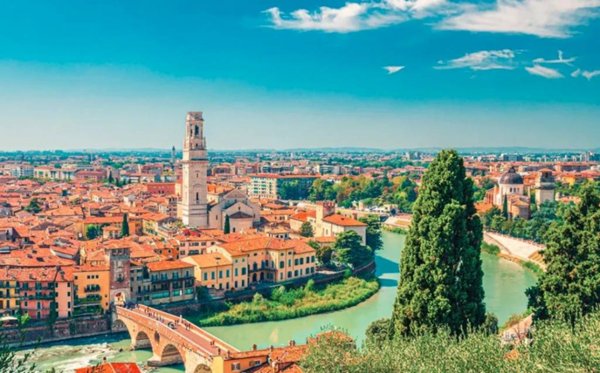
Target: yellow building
point(212, 270)
point(92, 288)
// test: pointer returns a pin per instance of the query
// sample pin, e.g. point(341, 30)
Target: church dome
point(511, 177)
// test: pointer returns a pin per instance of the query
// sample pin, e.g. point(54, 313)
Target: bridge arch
point(142, 340)
point(171, 355)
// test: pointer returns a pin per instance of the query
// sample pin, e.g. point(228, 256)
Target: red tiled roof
point(168, 265)
point(343, 221)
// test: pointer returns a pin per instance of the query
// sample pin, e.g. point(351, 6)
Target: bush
point(287, 304)
point(556, 347)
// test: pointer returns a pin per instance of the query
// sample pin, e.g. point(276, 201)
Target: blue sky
point(302, 73)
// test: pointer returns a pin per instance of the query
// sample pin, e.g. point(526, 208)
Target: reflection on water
point(504, 283)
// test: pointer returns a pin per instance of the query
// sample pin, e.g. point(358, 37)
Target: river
point(504, 283)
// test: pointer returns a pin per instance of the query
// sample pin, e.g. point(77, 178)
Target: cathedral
point(197, 207)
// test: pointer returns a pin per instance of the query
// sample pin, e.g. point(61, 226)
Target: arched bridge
point(173, 340)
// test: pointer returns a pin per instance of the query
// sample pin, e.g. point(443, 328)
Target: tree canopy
point(373, 235)
point(306, 230)
point(441, 276)
point(570, 287)
point(348, 249)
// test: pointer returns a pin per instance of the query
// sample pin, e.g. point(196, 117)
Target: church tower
point(194, 202)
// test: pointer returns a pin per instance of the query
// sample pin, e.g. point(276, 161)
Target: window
point(212, 275)
point(235, 367)
point(281, 264)
point(205, 276)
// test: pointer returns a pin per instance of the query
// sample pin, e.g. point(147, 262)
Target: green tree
point(34, 206)
point(441, 276)
point(348, 249)
point(125, 226)
point(570, 287)
point(322, 190)
point(92, 231)
point(323, 253)
point(111, 179)
point(505, 208)
point(306, 230)
point(374, 240)
point(227, 226)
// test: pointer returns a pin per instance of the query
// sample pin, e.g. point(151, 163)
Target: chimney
point(254, 347)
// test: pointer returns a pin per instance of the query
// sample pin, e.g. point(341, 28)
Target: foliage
point(10, 361)
point(480, 190)
point(535, 268)
point(400, 191)
point(227, 225)
point(349, 250)
point(441, 276)
point(324, 253)
point(373, 235)
point(535, 229)
point(293, 189)
point(556, 347)
point(570, 287)
point(93, 231)
point(34, 206)
point(292, 303)
point(306, 230)
point(125, 226)
point(322, 190)
point(490, 249)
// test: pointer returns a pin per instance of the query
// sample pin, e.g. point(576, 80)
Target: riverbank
point(493, 249)
point(284, 304)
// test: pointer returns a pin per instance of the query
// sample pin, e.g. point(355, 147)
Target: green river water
point(504, 283)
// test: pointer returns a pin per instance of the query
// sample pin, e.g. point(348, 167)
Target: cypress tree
point(125, 226)
point(440, 275)
point(505, 207)
point(227, 228)
point(570, 287)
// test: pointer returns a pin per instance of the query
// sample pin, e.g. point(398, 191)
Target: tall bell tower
point(194, 212)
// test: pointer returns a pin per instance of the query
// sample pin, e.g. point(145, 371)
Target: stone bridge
point(173, 340)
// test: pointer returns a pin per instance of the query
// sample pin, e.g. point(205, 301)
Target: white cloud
point(543, 18)
point(589, 75)
point(393, 69)
point(353, 16)
point(559, 60)
point(482, 60)
point(544, 72)
point(350, 17)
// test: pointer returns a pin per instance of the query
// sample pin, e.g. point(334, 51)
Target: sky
point(389, 74)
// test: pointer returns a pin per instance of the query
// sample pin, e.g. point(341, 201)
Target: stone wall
point(63, 329)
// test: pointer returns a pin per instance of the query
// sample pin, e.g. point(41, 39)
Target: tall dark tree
point(505, 208)
point(440, 274)
point(570, 287)
point(373, 235)
point(306, 230)
point(227, 226)
point(125, 226)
